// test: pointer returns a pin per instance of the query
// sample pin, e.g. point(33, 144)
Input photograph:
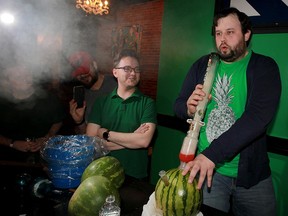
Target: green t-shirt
point(229, 94)
point(126, 116)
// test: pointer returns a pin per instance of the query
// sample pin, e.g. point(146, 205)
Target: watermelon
point(90, 196)
point(108, 167)
point(179, 197)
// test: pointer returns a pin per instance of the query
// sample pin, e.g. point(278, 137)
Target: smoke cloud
point(42, 36)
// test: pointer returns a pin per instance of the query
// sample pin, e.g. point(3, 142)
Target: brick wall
point(149, 16)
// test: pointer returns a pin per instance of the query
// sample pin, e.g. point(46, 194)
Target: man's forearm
point(133, 140)
point(5, 141)
point(54, 129)
point(81, 128)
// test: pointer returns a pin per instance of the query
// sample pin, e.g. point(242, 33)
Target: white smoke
point(43, 35)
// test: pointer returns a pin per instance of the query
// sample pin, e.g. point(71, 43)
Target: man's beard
point(233, 54)
point(94, 79)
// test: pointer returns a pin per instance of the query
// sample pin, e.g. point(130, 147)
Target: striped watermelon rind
point(179, 197)
point(90, 196)
point(109, 167)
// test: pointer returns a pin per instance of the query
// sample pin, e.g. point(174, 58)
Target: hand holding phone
point(79, 95)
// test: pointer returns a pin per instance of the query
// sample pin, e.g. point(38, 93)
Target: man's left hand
point(204, 166)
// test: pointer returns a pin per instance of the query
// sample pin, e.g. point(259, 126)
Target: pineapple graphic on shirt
point(222, 117)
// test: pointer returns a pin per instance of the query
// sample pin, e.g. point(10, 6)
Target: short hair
point(242, 17)
point(125, 53)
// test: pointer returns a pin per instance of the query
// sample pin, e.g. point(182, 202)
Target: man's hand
point(26, 146)
point(77, 113)
point(204, 166)
point(39, 143)
point(197, 95)
point(36, 145)
point(142, 128)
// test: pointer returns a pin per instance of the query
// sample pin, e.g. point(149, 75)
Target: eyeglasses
point(129, 69)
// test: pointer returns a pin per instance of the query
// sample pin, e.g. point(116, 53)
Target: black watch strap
point(106, 135)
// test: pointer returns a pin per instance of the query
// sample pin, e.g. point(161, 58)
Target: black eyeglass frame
point(129, 69)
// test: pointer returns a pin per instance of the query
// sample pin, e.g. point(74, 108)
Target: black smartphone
point(79, 95)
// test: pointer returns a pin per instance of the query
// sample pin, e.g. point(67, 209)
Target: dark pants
point(134, 194)
point(257, 200)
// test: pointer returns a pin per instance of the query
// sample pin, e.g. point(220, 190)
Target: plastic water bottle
point(110, 207)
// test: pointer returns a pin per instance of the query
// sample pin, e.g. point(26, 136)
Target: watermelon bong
point(189, 145)
point(175, 196)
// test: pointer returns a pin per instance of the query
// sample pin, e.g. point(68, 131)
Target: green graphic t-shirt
point(229, 94)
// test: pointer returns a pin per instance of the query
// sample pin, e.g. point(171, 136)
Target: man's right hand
point(142, 128)
point(197, 95)
point(26, 146)
point(77, 113)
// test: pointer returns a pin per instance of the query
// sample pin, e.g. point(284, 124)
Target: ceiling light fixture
point(93, 6)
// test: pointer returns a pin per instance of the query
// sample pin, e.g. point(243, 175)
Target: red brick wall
point(149, 16)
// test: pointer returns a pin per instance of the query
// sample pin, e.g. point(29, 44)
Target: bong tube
point(189, 145)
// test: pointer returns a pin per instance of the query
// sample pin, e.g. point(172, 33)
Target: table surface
point(54, 204)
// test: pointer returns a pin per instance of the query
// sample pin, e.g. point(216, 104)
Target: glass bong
point(189, 145)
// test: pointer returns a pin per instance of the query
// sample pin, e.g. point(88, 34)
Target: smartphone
point(79, 95)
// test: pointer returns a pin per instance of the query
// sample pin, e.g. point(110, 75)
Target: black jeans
point(134, 193)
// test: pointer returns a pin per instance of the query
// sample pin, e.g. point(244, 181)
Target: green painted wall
point(276, 46)
point(186, 35)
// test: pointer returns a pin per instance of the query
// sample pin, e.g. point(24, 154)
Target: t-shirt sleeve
point(149, 114)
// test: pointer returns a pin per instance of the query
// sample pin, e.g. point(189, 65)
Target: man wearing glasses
point(95, 84)
point(126, 119)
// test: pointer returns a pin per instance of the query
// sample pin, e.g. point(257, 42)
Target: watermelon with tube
point(107, 166)
point(90, 196)
point(178, 197)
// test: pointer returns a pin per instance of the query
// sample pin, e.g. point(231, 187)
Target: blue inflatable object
point(67, 157)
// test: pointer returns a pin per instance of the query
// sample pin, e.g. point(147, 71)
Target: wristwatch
point(106, 135)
